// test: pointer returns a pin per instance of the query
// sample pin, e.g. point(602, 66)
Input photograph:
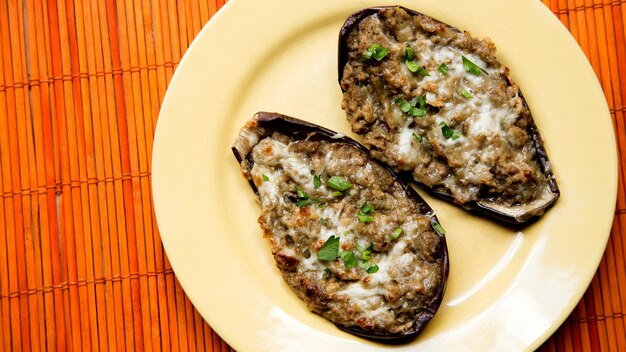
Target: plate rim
point(580, 289)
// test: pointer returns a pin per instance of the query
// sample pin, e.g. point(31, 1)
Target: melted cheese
point(487, 119)
point(405, 141)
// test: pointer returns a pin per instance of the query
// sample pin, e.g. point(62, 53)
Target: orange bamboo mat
point(81, 262)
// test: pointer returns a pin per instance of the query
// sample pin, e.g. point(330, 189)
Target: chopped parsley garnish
point(367, 266)
point(329, 250)
point(339, 183)
point(443, 68)
point(409, 54)
point(301, 194)
point(372, 269)
point(366, 255)
point(422, 71)
point(363, 213)
point(364, 265)
point(303, 198)
point(411, 107)
point(471, 67)
point(412, 65)
point(364, 218)
point(396, 233)
point(376, 52)
point(327, 271)
point(437, 226)
point(465, 93)
point(323, 221)
point(448, 132)
point(303, 202)
point(418, 138)
point(317, 182)
point(337, 194)
point(367, 208)
point(349, 259)
point(265, 178)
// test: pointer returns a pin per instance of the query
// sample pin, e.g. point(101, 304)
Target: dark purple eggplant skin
point(300, 129)
point(540, 152)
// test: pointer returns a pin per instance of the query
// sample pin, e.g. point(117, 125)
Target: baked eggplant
point(356, 244)
point(434, 102)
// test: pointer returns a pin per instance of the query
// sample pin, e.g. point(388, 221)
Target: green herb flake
point(366, 254)
point(301, 194)
point(337, 194)
point(409, 54)
point(466, 94)
point(376, 52)
point(412, 65)
point(265, 178)
point(471, 67)
point(396, 233)
point(372, 269)
point(364, 217)
point(367, 208)
point(329, 250)
point(303, 202)
point(317, 181)
point(411, 107)
point(339, 183)
point(418, 138)
point(422, 71)
point(422, 102)
point(349, 259)
point(448, 132)
point(417, 112)
point(437, 226)
point(327, 271)
point(405, 106)
point(443, 68)
point(323, 221)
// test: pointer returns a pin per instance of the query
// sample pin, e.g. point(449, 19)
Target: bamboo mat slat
point(82, 266)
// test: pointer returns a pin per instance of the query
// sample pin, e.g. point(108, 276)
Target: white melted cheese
point(362, 293)
point(311, 264)
point(405, 141)
point(487, 119)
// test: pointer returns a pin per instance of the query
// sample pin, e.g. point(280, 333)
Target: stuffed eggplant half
point(435, 102)
point(358, 246)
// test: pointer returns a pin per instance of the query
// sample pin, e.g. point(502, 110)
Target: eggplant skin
point(515, 213)
point(265, 124)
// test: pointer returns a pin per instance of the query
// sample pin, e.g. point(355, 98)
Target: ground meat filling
point(389, 266)
point(485, 153)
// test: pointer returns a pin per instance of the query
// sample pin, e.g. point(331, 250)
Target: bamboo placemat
point(81, 262)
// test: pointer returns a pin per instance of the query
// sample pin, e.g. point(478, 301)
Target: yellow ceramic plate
point(508, 289)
